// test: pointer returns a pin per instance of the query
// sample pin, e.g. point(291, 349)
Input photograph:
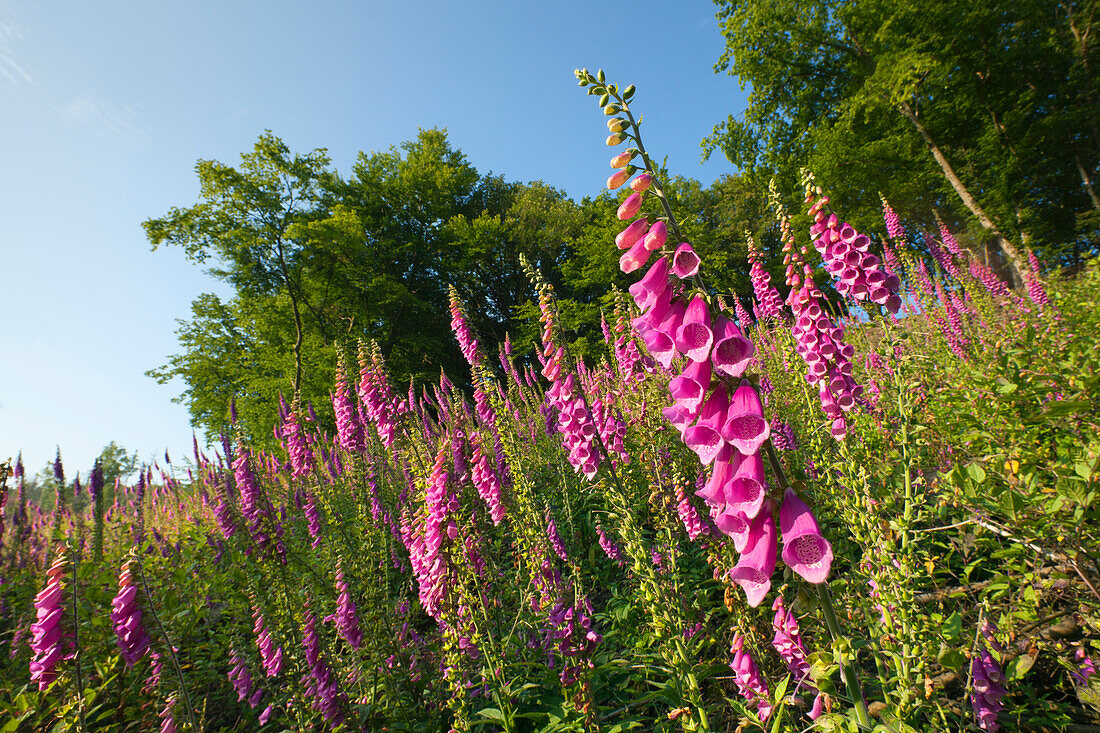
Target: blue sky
point(107, 107)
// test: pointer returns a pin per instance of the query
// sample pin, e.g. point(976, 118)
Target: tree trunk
point(1088, 183)
point(964, 194)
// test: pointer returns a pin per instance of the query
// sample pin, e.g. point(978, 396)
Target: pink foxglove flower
point(629, 208)
point(656, 237)
point(685, 263)
point(988, 683)
point(753, 571)
point(690, 388)
point(732, 352)
point(627, 237)
point(126, 616)
point(694, 337)
point(705, 437)
point(749, 682)
point(745, 427)
point(49, 634)
point(805, 550)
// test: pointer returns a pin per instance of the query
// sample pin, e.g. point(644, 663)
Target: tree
point(935, 104)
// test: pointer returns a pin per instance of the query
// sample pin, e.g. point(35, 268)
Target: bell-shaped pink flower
point(652, 284)
point(745, 426)
point(690, 388)
point(629, 208)
point(627, 237)
point(804, 549)
point(656, 237)
point(714, 491)
point(753, 571)
point(668, 326)
point(747, 487)
point(679, 417)
point(734, 525)
point(732, 352)
point(634, 257)
point(704, 437)
point(685, 263)
point(694, 337)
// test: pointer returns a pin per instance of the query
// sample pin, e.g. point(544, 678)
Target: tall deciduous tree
point(944, 105)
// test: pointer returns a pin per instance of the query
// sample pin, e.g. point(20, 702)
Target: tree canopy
point(982, 112)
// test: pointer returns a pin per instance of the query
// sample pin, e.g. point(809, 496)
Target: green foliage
point(1007, 92)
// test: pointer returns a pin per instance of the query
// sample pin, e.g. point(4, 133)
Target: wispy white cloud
point(10, 69)
point(100, 114)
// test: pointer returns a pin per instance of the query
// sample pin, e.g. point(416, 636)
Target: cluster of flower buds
point(320, 680)
point(788, 644)
point(858, 273)
point(486, 481)
point(988, 681)
point(301, 455)
point(579, 433)
point(241, 679)
point(768, 301)
point(126, 616)
point(818, 340)
point(49, 633)
point(270, 654)
point(347, 622)
point(349, 428)
point(425, 541)
point(571, 624)
point(747, 677)
point(376, 395)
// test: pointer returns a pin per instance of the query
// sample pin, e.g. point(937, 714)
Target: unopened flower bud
point(618, 178)
point(612, 109)
point(641, 183)
point(630, 206)
point(622, 158)
point(616, 139)
point(617, 124)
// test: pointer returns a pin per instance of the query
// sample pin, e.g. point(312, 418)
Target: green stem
point(76, 643)
point(171, 649)
point(847, 668)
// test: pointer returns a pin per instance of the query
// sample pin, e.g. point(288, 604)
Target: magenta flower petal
point(630, 207)
point(656, 237)
point(805, 550)
point(714, 491)
point(634, 258)
point(694, 337)
point(753, 571)
point(704, 437)
point(732, 352)
point(685, 263)
point(690, 388)
point(734, 525)
point(745, 425)
point(660, 346)
point(747, 488)
point(679, 418)
point(652, 284)
point(627, 237)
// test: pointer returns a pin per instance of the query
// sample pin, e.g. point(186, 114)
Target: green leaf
point(952, 627)
point(492, 714)
point(951, 658)
point(976, 473)
point(1019, 666)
